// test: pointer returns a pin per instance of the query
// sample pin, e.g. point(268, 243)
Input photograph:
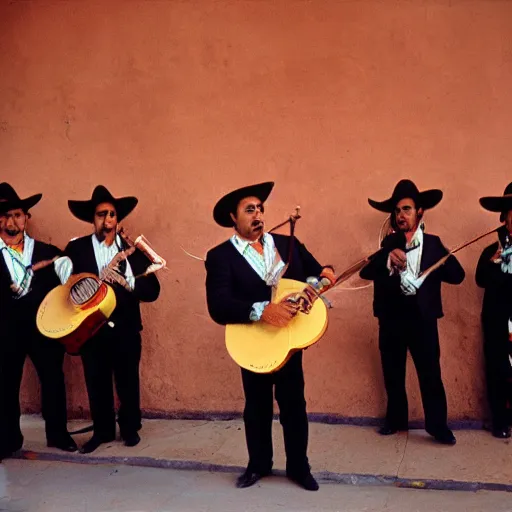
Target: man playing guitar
point(115, 350)
point(240, 275)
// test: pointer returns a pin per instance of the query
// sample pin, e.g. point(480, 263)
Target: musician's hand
point(398, 259)
point(328, 273)
point(410, 284)
point(301, 301)
point(496, 258)
point(279, 315)
point(123, 232)
point(113, 277)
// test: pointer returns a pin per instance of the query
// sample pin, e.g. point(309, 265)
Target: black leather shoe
point(10, 449)
point(248, 479)
point(445, 437)
point(65, 443)
point(388, 430)
point(306, 481)
point(501, 433)
point(5, 453)
point(94, 443)
point(131, 439)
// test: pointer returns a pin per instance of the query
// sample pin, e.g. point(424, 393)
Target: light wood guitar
point(263, 348)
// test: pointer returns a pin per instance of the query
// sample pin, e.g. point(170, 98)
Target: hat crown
point(7, 193)
point(101, 195)
point(405, 188)
point(508, 190)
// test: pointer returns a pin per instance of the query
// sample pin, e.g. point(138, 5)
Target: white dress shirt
point(19, 265)
point(268, 265)
point(410, 281)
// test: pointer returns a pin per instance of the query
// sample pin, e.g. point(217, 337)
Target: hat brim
point(496, 204)
point(24, 204)
point(227, 204)
point(84, 210)
point(426, 199)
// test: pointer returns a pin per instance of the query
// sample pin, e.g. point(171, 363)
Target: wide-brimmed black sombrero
point(407, 189)
point(10, 200)
point(84, 210)
point(228, 203)
point(499, 204)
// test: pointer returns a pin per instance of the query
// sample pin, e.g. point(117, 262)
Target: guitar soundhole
point(83, 290)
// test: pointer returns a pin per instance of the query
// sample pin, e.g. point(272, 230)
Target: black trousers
point(498, 370)
point(47, 356)
point(258, 414)
point(113, 354)
point(420, 336)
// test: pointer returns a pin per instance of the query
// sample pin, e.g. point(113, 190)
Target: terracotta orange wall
point(179, 102)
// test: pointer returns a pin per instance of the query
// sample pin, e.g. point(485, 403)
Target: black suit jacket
point(126, 316)
point(232, 285)
point(387, 294)
point(21, 313)
point(497, 304)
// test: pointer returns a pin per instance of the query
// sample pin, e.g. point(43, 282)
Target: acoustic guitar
point(263, 348)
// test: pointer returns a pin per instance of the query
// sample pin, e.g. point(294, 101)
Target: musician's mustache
point(12, 232)
point(257, 223)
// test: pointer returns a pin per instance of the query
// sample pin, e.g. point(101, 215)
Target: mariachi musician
point(240, 275)
point(115, 350)
point(408, 305)
point(494, 274)
point(29, 269)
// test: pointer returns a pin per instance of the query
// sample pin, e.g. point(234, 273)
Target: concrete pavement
point(42, 486)
point(338, 453)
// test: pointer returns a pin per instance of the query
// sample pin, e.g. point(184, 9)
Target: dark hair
point(232, 211)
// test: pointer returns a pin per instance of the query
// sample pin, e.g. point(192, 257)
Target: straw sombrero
point(73, 312)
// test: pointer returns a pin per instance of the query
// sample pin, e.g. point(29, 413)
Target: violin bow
point(436, 265)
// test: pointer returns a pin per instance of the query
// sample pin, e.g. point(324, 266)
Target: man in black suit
point(494, 274)
point(21, 291)
point(240, 272)
point(408, 307)
point(115, 350)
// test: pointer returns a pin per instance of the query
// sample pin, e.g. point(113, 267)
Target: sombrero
point(407, 189)
point(500, 204)
point(227, 204)
point(84, 210)
point(10, 200)
point(73, 312)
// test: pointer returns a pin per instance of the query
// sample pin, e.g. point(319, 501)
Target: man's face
point(249, 218)
point(508, 221)
point(12, 224)
point(407, 216)
point(105, 220)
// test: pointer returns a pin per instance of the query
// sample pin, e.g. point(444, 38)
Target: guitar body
point(73, 312)
point(87, 329)
point(263, 348)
